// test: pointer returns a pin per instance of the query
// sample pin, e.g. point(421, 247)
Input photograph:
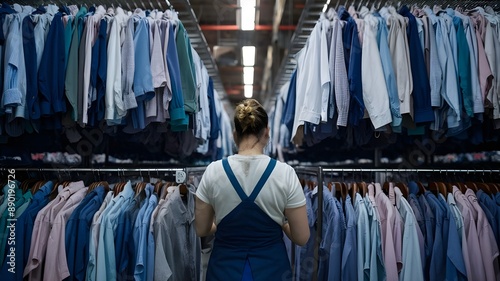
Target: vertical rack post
point(377, 154)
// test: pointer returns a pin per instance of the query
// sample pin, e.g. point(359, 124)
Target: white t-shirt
point(281, 191)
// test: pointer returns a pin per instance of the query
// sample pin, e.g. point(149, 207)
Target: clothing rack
point(320, 173)
point(179, 173)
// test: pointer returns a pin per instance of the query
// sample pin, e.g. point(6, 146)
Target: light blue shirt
point(363, 241)
point(349, 254)
point(390, 78)
point(330, 249)
point(412, 262)
point(449, 85)
point(106, 259)
point(306, 252)
point(376, 261)
point(141, 229)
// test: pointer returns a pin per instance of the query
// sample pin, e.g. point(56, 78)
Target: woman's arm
point(204, 218)
point(297, 228)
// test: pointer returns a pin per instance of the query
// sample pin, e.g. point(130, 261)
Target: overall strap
point(234, 181)
point(258, 187)
point(263, 179)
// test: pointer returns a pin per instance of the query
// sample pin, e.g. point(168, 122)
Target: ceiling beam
point(258, 27)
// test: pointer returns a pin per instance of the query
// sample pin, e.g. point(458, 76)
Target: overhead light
point(248, 91)
point(247, 14)
point(248, 75)
point(248, 54)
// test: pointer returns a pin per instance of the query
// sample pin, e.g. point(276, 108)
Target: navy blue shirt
point(98, 75)
point(32, 102)
point(23, 232)
point(214, 120)
point(51, 73)
point(422, 109)
point(78, 231)
point(289, 108)
point(352, 52)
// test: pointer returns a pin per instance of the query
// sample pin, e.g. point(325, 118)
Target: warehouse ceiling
point(220, 23)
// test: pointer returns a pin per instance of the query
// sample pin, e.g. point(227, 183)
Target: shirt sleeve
point(296, 196)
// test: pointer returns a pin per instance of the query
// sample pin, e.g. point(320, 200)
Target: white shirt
point(281, 191)
point(375, 94)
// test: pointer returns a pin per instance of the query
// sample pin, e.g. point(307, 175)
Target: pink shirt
point(56, 265)
point(391, 250)
point(476, 271)
point(489, 247)
point(41, 231)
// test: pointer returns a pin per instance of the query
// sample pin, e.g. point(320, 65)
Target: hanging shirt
point(398, 45)
point(375, 93)
point(455, 264)
point(488, 245)
point(421, 88)
point(352, 53)
point(338, 74)
point(455, 212)
point(412, 263)
point(77, 233)
point(489, 203)
point(171, 242)
point(470, 34)
point(24, 231)
point(363, 239)
point(95, 227)
point(350, 250)
point(43, 226)
point(330, 267)
point(471, 236)
point(390, 249)
point(376, 261)
point(141, 230)
point(56, 267)
point(389, 75)
point(106, 246)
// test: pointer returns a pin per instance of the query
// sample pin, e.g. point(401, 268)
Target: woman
point(248, 200)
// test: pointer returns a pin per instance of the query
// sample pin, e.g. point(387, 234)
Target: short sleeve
point(296, 196)
point(203, 190)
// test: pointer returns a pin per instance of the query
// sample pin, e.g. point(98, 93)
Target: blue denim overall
point(248, 243)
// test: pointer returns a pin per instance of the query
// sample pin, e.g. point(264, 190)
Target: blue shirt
point(352, 54)
point(350, 251)
point(492, 211)
point(141, 233)
point(430, 228)
point(52, 70)
point(421, 88)
point(98, 76)
point(376, 261)
point(363, 240)
point(330, 248)
point(106, 265)
point(412, 262)
point(24, 231)
point(214, 120)
point(178, 117)
point(389, 75)
point(78, 232)
point(455, 264)
point(124, 241)
point(30, 59)
point(306, 253)
point(438, 259)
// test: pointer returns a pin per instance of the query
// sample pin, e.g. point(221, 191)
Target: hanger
point(354, 190)
point(404, 189)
